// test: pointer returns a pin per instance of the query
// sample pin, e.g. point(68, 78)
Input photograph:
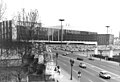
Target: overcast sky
point(85, 15)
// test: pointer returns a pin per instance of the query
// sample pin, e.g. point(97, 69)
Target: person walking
point(79, 74)
point(59, 70)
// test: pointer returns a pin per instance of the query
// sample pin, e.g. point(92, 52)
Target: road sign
point(50, 66)
point(40, 59)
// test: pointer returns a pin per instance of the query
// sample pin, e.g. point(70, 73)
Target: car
point(82, 65)
point(65, 54)
point(78, 58)
point(104, 74)
point(90, 58)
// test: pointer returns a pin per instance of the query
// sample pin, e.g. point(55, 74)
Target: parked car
point(104, 74)
point(82, 65)
point(90, 58)
point(78, 58)
point(65, 54)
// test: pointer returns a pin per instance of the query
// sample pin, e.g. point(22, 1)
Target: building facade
point(105, 39)
point(34, 31)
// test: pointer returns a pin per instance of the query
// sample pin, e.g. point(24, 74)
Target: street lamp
point(107, 28)
point(56, 58)
point(107, 33)
point(61, 31)
point(101, 51)
point(71, 62)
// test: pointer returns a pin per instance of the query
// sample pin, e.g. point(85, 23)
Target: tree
point(26, 24)
point(2, 9)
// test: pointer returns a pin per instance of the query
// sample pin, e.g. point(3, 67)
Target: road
point(93, 68)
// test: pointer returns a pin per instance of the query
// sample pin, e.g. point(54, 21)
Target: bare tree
point(26, 24)
point(2, 9)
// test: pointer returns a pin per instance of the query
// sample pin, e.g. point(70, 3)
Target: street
point(91, 73)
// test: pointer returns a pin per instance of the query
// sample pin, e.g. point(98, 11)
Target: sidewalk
point(64, 77)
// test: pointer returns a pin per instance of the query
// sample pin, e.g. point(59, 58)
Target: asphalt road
point(90, 74)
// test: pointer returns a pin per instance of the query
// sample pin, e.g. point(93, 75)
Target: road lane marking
point(102, 69)
point(63, 63)
point(87, 78)
point(96, 67)
point(107, 71)
point(89, 73)
point(94, 75)
point(66, 61)
point(102, 65)
point(75, 71)
point(90, 80)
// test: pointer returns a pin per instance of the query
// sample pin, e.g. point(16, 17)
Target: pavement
point(64, 77)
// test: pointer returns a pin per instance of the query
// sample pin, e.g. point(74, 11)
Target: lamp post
point(71, 62)
point(61, 31)
point(101, 51)
point(107, 28)
point(56, 58)
point(107, 33)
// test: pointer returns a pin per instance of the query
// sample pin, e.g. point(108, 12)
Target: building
point(35, 31)
point(53, 34)
point(105, 39)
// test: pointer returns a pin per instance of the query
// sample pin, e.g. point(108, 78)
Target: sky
point(83, 15)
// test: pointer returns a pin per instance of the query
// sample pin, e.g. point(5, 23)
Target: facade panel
point(80, 35)
point(105, 39)
point(53, 34)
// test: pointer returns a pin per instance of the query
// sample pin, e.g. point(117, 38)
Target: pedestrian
point(79, 74)
point(55, 69)
point(59, 70)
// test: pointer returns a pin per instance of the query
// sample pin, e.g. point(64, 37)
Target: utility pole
point(71, 62)
point(107, 28)
point(58, 34)
point(61, 31)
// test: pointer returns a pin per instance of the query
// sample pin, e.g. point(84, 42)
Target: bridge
point(64, 42)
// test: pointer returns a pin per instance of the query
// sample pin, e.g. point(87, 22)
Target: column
point(96, 50)
point(111, 52)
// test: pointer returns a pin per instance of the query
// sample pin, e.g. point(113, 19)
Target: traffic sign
point(50, 66)
point(40, 59)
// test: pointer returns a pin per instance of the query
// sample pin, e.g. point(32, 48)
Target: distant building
point(116, 41)
point(28, 31)
point(105, 39)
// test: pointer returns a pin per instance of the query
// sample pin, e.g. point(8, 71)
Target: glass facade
point(53, 34)
point(105, 39)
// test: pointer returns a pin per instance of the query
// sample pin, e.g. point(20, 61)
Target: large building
point(53, 34)
point(105, 39)
point(37, 32)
